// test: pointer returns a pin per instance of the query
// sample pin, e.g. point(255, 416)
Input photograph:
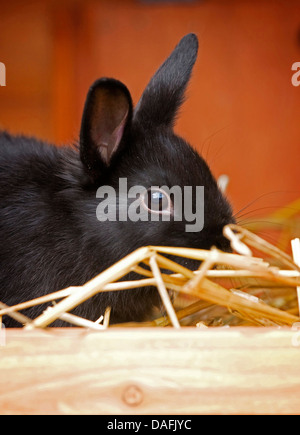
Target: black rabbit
point(51, 231)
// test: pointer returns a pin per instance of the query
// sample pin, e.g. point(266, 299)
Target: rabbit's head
point(152, 186)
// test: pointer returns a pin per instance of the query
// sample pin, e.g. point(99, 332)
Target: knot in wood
point(133, 395)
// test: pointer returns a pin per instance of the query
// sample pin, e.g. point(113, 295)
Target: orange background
point(242, 112)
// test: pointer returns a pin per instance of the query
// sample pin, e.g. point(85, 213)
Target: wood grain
point(150, 371)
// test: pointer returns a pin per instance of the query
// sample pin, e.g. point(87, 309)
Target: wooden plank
point(150, 371)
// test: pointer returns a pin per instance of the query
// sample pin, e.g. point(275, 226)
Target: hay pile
point(227, 290)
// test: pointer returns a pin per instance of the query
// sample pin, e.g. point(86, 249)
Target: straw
point(215, 299)
point(163, 292)
point(296, 255)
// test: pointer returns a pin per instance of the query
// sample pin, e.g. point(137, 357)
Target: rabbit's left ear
point(165, 92)
point(107, 113)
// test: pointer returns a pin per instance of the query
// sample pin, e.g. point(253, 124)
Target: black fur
point(50, 236)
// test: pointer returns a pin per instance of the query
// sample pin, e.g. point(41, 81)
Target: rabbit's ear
point(106, 115)
point(165, 92)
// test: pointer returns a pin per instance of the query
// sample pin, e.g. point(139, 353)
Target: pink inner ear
point(117, 134)
point(103, 151)
point(108, 148)
point(107, 129)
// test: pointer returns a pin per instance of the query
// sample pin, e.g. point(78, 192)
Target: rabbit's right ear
point(106, 116)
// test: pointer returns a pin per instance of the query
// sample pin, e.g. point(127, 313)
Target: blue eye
point(157, 200)
point(157, 197)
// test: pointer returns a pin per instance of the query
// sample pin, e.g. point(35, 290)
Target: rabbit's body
point(50, 235)
point(50, 238)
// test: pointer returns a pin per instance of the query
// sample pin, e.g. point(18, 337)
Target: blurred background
point(242, 111)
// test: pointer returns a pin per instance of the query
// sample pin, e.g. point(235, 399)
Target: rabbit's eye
point(156, 200)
